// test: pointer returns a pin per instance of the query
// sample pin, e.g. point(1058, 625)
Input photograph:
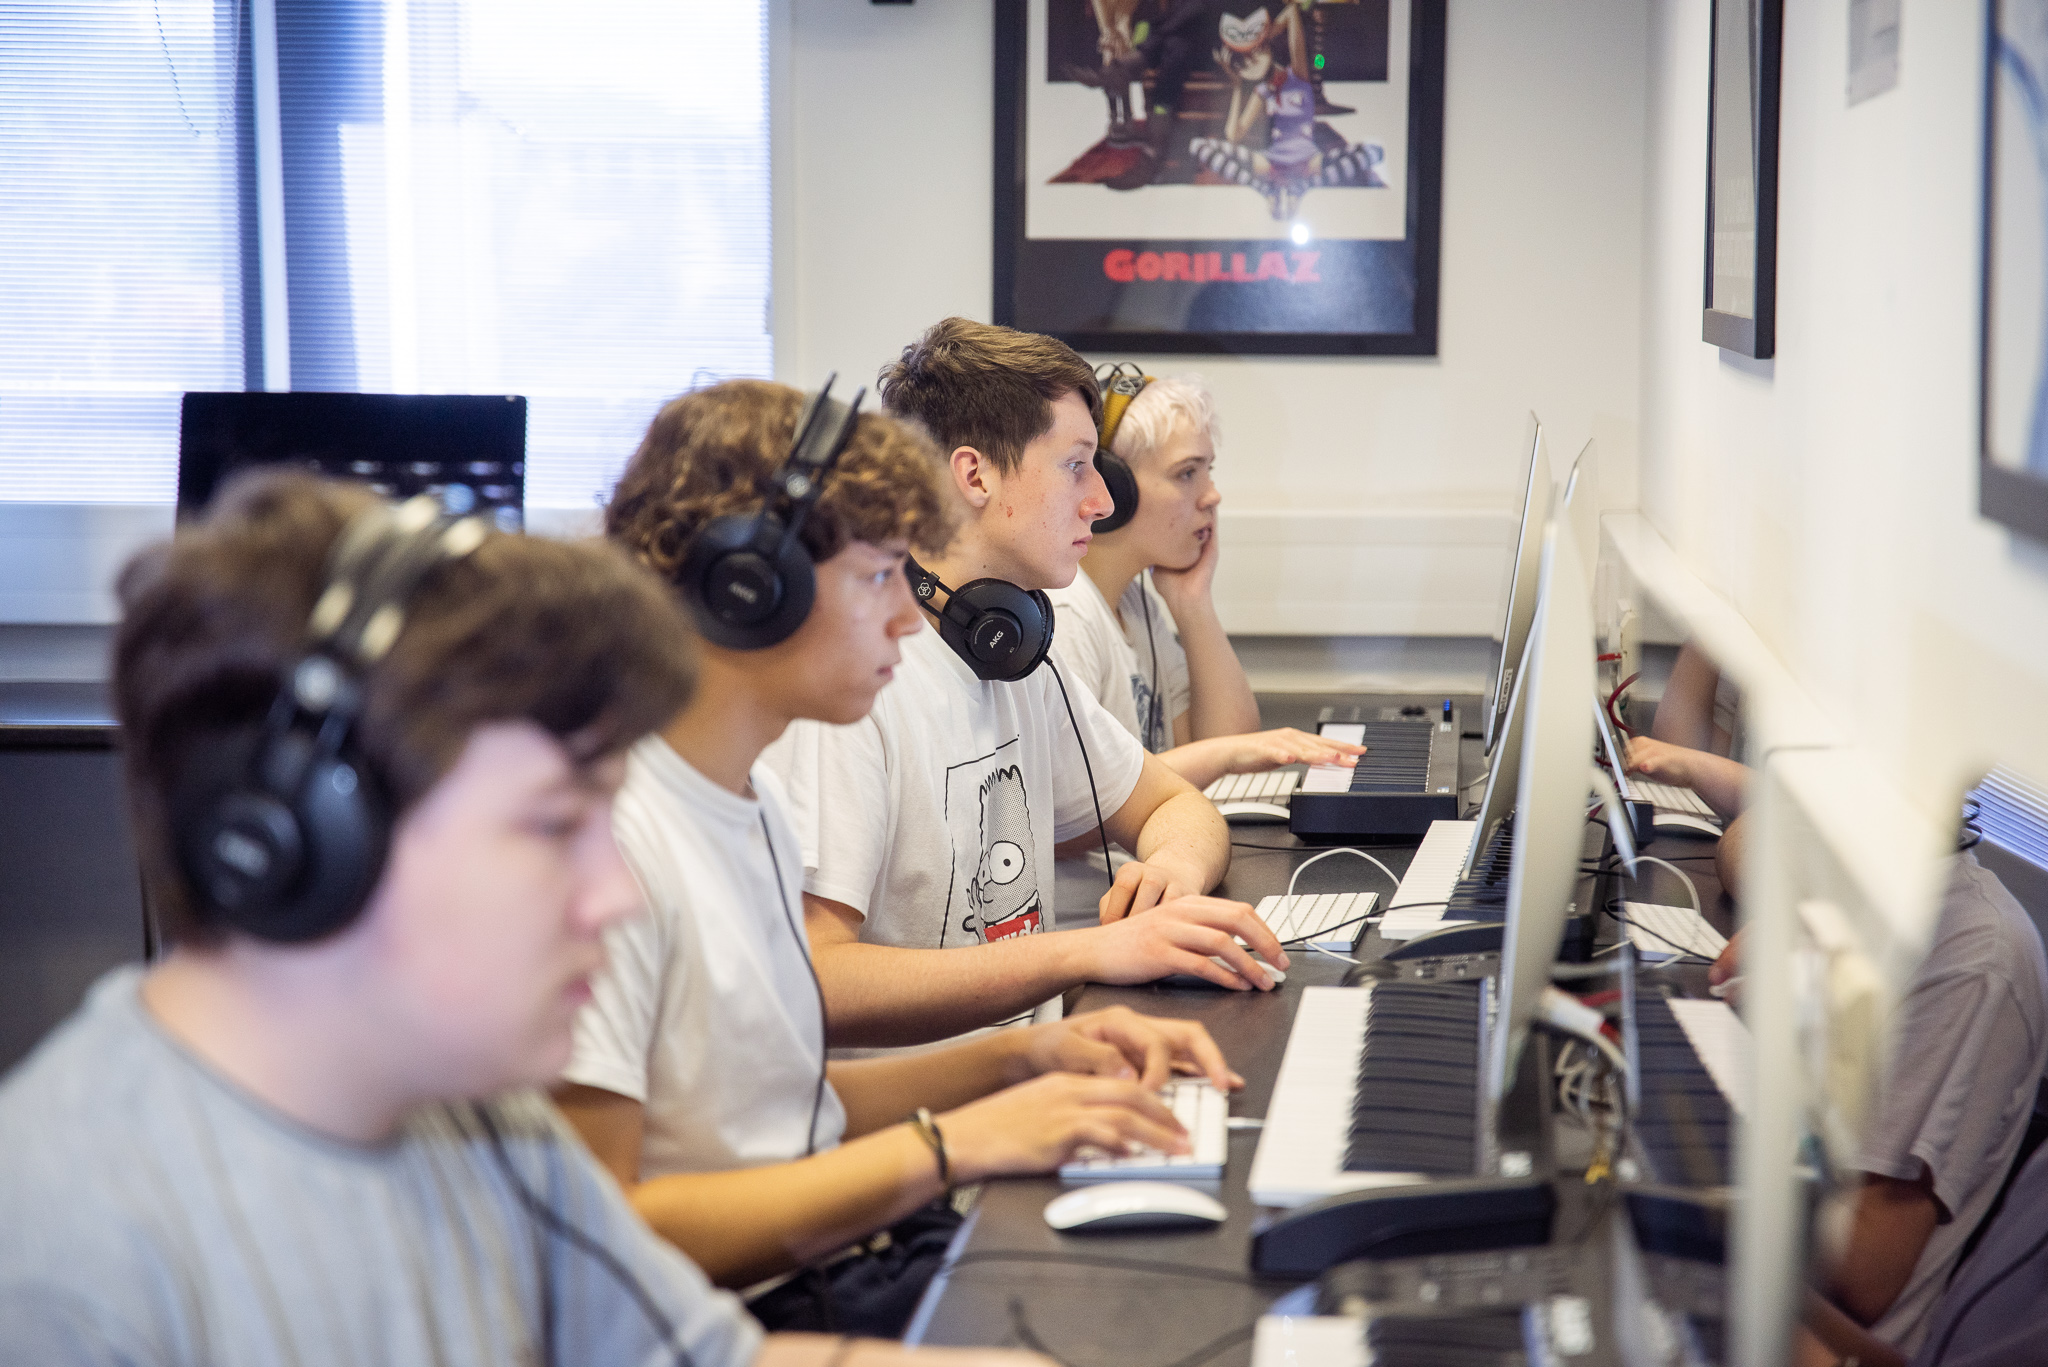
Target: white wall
point(1831, 494)
point(1391, 479)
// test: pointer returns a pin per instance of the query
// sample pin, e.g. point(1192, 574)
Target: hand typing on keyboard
point(1204, 1115)
point(1118, 1042)
point(1038, 1125)
point(1202, 762)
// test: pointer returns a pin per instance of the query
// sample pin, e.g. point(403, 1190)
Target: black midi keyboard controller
point(1407, 778)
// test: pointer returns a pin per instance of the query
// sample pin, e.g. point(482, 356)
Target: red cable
point(1617, 693)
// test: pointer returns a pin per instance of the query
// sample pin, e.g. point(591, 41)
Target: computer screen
point(1521, 602)
point(467, 449)
point(1550, 796)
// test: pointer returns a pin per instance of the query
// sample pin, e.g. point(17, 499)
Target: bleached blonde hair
point(1168, 405)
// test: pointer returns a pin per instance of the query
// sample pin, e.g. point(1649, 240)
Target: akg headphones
point(285, 826)
point(1121, 383)
point(748, 578)
point(1001, 631)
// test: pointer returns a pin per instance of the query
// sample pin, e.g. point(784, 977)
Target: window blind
point(502, 196)
point(481, 196)
point(120, 239)
point(2012, 812)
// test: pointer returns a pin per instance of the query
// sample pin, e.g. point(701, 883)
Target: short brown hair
point(991, 388)
point(714, 453)
point(570, 636)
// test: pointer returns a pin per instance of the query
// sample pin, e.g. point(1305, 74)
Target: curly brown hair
point(714, 453)
point(988, 387)
point(568, 635)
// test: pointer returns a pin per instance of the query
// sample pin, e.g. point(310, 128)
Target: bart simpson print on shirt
point(995, 892)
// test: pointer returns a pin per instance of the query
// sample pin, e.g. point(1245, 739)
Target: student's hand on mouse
point(1178, 937)
point(1259, 751)
point(1035, 1126)
point(1142, 885)
point(1119, 1042)
point(1661, 761)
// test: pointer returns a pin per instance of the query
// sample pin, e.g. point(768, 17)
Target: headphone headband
point(285, 825)
point(1001, 631)
point(747, 577)
point(1121, 384)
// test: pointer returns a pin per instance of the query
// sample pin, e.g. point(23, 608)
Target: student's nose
point(906, 618)
point(606, 892)
point(1096, 504)
point(1211, 496)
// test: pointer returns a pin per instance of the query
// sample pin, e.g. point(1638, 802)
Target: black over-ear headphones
point(1002, 631)
point(283, 827)
point(1121, 383)
point(748, 578)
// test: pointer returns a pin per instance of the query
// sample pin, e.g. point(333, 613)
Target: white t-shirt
point(708, 1015)
point(936, 816)
point(1109, 653)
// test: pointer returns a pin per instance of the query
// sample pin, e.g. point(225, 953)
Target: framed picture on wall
point(1220, 175)
point(1742, 176)
point(2013, 478)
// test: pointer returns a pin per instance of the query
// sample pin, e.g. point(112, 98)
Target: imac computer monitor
point(467, 449)
point(1501, 778)
point(1521, 609)
point(1612, 785)
point(1550, 797)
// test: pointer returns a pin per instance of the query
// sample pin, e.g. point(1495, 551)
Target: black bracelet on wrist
point(928, 1129)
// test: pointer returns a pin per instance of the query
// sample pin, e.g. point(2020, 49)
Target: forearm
point(1200, 762)
point(1186, 832)
point(746, 1225)
point(878, 1092)
point(1220, 701)
point(1722, 784)
point(881, 996)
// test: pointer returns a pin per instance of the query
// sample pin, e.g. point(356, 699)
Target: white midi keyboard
point(1202, 1110)
point(1432, 875)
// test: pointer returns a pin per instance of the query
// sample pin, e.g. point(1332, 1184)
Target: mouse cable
point(1230, 1338)
point(555, 1224)
point(1087, 769)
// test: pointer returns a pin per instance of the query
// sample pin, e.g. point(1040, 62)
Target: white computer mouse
point(1690, 827)
point(1190, 980)
point(1105, 1206)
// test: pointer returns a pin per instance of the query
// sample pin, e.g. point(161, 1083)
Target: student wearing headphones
point(699, 1075)
point(371, 754)
point(1156, 655)
point(928, 827)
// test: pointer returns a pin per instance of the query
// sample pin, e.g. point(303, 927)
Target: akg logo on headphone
point(926, 588)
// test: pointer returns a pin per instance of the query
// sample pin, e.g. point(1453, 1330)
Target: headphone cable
point(1087, 769)
point(804, 949)
point(554, 1223)
point(1152, 705)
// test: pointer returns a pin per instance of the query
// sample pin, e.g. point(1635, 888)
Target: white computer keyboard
point(1332, 919)
point(1276, 785)
point(1667, 798)
point(1661, 932)
point(1202, 1110)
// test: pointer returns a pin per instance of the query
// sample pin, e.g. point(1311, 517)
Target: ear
point(974, 476)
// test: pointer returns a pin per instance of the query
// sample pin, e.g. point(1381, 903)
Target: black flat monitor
point(1521, 605)
point(467, 449)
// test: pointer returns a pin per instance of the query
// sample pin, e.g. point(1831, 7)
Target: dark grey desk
point(70, 890)
point(1016, 1282)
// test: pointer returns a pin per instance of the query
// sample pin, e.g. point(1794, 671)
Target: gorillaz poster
point(1220, 175)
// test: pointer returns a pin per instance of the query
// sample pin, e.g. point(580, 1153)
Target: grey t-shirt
point(1972, 1043)
point(155, 1213)
point(1995, 1313)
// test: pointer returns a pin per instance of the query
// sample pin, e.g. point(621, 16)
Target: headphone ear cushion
point(742, 593)
point(288, 871)
point(1123, 490)
point(1007, 632)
